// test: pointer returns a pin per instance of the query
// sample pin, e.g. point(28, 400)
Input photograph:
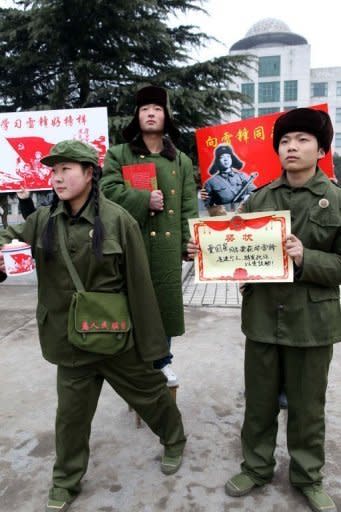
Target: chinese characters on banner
point(27, 136)
point(246, 247)
point(238, 157)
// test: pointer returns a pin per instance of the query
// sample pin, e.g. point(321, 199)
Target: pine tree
point(81, 53)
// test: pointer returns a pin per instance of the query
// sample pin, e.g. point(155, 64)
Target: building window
point(249, 90)
point(268, 91)
point(338, 115)
point(319, 89)
point(338, 140)
point(269, 66)
point(247, 112)
point(267, 110)
point(338, 88)
point(290, 90)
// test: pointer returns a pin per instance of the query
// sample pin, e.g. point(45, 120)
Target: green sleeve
point(25, 232)
point(136, 202)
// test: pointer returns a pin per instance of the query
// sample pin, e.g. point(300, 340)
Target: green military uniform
point(293, 325)
point(165, 233)
point(123, 268)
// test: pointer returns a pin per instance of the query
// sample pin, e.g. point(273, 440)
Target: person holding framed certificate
point(290, 328)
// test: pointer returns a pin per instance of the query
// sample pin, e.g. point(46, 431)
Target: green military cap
point(70, 151)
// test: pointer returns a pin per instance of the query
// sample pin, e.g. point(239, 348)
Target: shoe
point(172, 379)
point(57, 505)
point(170, 465)
point(282, 400)
point(239, 485)
point(318, 499)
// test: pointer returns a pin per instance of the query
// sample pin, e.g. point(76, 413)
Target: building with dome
point(283, 78)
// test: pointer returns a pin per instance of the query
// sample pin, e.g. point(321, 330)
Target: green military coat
point(305, 313)
point(123, 268)
point(165, 233)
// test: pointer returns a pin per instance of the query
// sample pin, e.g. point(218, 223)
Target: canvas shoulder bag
point(97, 321)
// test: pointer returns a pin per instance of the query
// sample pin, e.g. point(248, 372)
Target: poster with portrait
point(26, 136)
point(238, 157)
point(247, 247)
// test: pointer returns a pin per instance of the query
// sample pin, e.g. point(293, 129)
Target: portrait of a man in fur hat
point(228, 185)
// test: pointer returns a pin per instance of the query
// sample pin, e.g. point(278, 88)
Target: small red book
point(141, 176)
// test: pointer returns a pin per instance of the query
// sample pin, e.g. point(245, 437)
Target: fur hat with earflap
point(151, 94)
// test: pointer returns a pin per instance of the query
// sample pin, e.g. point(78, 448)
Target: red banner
point(27, 136)
point(251, 143)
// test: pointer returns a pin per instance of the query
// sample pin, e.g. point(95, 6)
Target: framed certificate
point(248, 247)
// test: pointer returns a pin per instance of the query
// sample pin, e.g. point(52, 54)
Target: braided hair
point(98, 235)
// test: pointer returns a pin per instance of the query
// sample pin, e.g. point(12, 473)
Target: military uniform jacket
point(123, 268)
point(305, 313)
point(165, 233)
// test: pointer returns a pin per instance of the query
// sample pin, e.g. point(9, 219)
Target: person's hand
point(2, 263)
point(294, 248)
point(203, 194)
point(242, 287)
point(192, 250)
point(156, 200)
point(23, 193)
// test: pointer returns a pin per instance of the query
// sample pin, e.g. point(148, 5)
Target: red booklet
point(141, 176)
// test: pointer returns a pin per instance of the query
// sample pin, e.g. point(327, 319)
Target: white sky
point(317, 21)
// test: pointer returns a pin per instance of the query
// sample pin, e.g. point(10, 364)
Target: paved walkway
point(224, 295)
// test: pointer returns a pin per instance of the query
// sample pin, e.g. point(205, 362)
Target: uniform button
point(173, 173)
point(153, 233)
point(152, 213)
point(172, 191)
point(142, 156)
point(280, 307)
point(168, 233)
point(171, 212)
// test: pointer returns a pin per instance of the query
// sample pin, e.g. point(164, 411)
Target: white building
point(283, 78)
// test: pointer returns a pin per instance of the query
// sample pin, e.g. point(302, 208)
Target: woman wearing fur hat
point(105, 249)
point(228, 186)
point(290, 328)
point(163, 213)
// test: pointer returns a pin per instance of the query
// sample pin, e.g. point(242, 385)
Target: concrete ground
point(123, 473)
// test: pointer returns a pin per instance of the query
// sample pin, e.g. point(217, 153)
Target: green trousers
point(137, 382)
point(303, 374)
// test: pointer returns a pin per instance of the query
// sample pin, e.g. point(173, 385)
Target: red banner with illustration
point(249, 142)
point(26, 136)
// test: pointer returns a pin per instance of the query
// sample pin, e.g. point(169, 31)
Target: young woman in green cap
point(106, 249)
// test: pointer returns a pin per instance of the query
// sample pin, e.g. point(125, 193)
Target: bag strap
point(69, 265)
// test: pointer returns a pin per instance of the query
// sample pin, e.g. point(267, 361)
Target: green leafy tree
point(81, 53)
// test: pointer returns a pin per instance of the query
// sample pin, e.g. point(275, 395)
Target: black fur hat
point(221, 150)
point(315, 122)
point(157, 96)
